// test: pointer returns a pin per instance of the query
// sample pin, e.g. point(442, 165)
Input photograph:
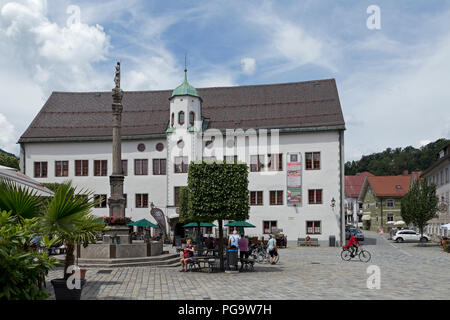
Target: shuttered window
point(100, 168)
point(40, 169)
point(142, 200)
point(81, 168)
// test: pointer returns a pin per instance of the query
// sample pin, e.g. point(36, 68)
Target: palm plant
point(68, 217)
point(19, 200)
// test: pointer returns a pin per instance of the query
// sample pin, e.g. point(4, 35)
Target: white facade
point(160, 188)
point(187, 139)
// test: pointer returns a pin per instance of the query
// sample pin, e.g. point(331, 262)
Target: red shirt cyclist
point(353, 245)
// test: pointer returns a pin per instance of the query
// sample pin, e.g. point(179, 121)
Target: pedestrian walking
point(272, 243)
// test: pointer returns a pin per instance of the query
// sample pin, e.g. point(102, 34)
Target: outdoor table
point(208, 262)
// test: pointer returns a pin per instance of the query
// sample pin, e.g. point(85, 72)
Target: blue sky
point(392, 82)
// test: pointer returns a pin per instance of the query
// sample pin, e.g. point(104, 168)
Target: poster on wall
point(294, 179)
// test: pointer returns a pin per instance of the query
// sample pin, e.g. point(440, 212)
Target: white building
point(439, 174)
point(162, 131)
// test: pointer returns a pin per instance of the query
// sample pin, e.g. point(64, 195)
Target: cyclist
point(353, 245)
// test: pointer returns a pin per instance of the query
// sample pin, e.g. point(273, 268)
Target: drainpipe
point(341, 180)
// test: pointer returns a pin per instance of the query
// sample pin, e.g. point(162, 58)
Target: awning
point(366, 217)
point(24, 181)
point(399, 223)
point(446, 226)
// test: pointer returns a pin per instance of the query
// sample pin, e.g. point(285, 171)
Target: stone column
point(117, 201)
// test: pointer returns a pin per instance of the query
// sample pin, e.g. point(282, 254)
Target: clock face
point(180, 144)
point(141, 147)
point(160, 147)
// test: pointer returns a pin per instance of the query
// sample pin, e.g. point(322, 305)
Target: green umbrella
point(202, 224)
point(143, 223)
point(240, 224)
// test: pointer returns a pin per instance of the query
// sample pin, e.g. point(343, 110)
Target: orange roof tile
point(387, 186)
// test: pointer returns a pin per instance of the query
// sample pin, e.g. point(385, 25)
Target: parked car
point(409, 236)
point(351, 231)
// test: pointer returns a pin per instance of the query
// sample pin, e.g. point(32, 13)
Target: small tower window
point(191, 118)
point(173, 119)
point(181, 118)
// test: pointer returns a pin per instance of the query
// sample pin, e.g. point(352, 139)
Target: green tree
point(218, 191)
point(420, 204)
point(9, 161)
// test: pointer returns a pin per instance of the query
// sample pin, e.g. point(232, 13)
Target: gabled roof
point(312, 104)
point(353, 184)
point(387, 186)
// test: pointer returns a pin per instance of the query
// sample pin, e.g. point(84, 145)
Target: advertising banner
point(294, 179)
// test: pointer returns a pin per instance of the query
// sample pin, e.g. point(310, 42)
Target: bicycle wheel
point(346, 255)
point(364, 256)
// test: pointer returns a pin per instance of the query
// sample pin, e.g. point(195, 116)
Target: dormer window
point(181, 118)
point(191, 118)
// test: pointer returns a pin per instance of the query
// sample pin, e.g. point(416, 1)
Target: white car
point(409, 236)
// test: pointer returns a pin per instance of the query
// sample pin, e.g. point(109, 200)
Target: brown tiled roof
point(353, 184)
point(290, 105)
point(386, 186)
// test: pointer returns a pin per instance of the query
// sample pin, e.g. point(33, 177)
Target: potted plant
point(68, 217)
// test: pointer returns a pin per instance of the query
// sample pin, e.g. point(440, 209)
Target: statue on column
point(117, 77)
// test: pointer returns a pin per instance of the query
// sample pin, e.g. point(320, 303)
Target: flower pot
point(64, 293)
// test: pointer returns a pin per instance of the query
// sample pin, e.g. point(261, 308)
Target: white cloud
point(248, 65)
point(289, 41)
point(7, 142)
point(399, 101)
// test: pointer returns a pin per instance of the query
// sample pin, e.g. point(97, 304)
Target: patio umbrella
point(143, 223)
point(399, 223)
point(240, 224)
point(390, 222)
point(202, 224)
point(366, 217)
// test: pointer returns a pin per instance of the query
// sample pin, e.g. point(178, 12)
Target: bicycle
point(261, 254)
point(363, 255)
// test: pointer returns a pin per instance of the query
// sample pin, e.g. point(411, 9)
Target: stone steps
point(160, 261)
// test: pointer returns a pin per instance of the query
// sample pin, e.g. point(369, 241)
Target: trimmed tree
point(218, 191)
point(188, 214)
point(420, 204)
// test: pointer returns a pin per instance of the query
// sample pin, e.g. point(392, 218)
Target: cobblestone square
point(407, 272)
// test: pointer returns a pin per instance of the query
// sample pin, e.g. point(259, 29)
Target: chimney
point(405, 173)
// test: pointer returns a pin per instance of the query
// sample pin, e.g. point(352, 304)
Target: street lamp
point(333, 203)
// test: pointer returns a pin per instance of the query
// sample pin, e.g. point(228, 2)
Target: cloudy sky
point(393, 82)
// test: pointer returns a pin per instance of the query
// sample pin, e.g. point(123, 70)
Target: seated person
point(188, 255)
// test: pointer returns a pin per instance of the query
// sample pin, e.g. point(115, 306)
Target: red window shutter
point(317, 227)
point(176, 195)
point(260, 198)
point(319, 196)
point(317, 160)
point(44, 169)
point(280, 197)
point(96, 168)
point(85, 167)
point(308, 160)
point(173, 119)
point(163, 165)
point(125, 167)
point(37, 169)
point(191, 118)
point(138, 200)
point(156, 169)
point(104, 167)
point(181, 117)
point(77, 168)
point(311, 196)
point(309, 227)
point(272, 198)
point(65, 169)
point(57, 168)
point(280, 162)
point(252, 198)
point(145, 201)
